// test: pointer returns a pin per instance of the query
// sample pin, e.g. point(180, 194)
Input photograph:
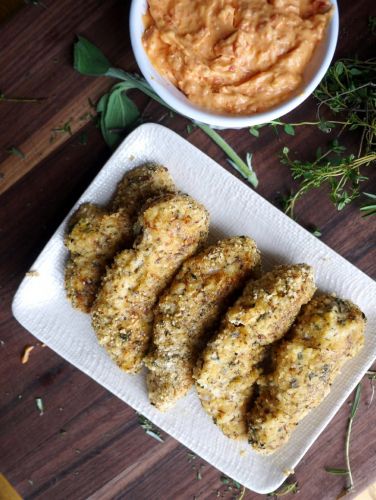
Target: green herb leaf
point(191, 456)
point(149, 428)
point(64, 129)
point(228, 480)
point(40, 406)
point(254, 131)
point(369, 208)
point(15, 152)
point(356, 401)
point(337, 472)
point(316, 232)
point(83, 138)
point(289, 129)
point(88, 59)
point(325, 126)
point(119, 113)
point(285, 489)
point(36, 2)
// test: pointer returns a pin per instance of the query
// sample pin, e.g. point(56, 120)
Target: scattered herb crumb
point(40, 406)
point(2, 342)
point(19, 396)
point(231, 482)
point(288, 472)
point(66, 128)
point(191, 456)
point(316, 232)
point(83, 138)
point(6, 98)
point(26, 353)
point(336, 471)
point(32, 273)
point(30, 481)
point(38, 3)
point(87, 116)
point(150, 428)
point(285, 489)
point(13, 150)
point(62, 432)
point(77, 451)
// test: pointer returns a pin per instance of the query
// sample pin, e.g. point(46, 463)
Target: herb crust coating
point(189, 310)
point(228, 368)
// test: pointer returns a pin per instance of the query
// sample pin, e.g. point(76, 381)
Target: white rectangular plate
point(41, 307)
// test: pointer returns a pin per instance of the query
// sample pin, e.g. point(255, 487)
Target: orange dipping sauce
point(236, 57)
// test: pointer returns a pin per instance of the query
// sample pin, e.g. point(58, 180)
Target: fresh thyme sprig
point(348, 93)
point(119, 113)
point(341, 173)
point(289, 128)
point(347, 471)
point(349, 89)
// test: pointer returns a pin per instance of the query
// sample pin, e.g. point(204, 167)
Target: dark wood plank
point(103, 453)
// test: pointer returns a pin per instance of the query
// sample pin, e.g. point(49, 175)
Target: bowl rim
point(198, 114)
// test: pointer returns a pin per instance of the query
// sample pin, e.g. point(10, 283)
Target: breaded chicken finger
point(187, 312)
point(327, 332)
point(95, 237)
point(96, 234)
point(227, 369)
point(171, 229)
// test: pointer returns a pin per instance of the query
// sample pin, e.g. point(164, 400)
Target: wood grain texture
point(88, 444)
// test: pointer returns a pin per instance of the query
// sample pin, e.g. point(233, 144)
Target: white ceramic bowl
point(313, 74)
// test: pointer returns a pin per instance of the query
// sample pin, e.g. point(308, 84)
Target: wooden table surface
point(88, 444)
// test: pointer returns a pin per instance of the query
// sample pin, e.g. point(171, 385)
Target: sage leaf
point(88, 59)
point(120, 113)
